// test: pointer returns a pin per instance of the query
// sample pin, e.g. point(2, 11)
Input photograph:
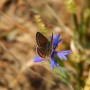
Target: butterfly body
point(44, 46)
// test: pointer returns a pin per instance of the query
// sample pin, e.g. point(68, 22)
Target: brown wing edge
point(41, 40)
point(41, 52)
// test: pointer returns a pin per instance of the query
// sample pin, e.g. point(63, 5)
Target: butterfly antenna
point(52, 34)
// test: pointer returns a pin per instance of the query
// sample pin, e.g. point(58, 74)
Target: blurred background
point(19, 22)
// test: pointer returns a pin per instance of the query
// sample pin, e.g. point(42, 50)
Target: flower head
point(56, 40)
point(61, 54)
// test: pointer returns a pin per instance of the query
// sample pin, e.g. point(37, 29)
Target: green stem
point(75, 21)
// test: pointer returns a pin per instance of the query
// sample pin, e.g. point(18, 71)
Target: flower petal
point(56, 40)
point(37, 59)
point(63, 54)
point(53, 63)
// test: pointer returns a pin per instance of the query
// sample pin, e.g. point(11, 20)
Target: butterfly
point(44, 46)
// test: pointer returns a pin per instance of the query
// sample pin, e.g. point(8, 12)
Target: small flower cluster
point(61, 54)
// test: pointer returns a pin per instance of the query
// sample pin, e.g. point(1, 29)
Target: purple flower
point(56, 40)
point(61, 54)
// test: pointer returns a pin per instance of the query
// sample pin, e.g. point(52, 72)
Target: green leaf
point(61, 73)
point(59, 61)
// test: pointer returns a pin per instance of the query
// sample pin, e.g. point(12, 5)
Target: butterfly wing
point(51, 43)
point(50, 46)
point(44, 48)
point(41, 40)
point(42, 51)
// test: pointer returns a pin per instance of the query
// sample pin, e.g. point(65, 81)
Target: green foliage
point(60, 62)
